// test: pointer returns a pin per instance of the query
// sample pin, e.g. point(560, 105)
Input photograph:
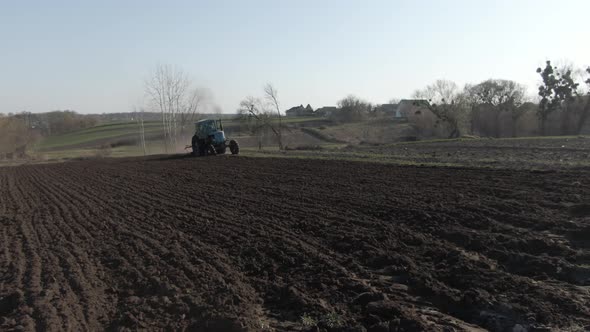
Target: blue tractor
point(209, 139)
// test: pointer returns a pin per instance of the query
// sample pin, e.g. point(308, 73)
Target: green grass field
point(112, 132)
point(91, 141)
point(118, 130)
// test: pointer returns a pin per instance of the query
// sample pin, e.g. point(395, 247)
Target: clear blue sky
point(92, 56)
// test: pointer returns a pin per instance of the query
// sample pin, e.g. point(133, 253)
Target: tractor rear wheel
point(201, 147)
point(234, 147)
point(195, 145)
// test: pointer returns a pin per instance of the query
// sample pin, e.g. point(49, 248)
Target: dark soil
point(237, 244)
point(524, 153)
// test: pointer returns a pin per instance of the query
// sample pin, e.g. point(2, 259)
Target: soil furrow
point(240, 244)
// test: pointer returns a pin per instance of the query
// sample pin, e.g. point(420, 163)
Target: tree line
point(495, 108)
point(499, 108)
point(492, 108)
point(20, 130)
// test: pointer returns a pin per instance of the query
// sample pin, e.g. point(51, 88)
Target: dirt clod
point(365, 298)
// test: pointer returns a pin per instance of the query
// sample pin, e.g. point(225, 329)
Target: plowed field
point(240, 244)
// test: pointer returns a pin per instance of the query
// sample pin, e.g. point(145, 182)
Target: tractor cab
point(210, 131)
point(206, 128)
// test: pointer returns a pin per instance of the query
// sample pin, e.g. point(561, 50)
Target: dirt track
point(224, 244)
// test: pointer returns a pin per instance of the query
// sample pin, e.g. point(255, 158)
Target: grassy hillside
point(301, 133)
point(95, 136)
point(111, 132)
point(120, 139)
point(377, 131)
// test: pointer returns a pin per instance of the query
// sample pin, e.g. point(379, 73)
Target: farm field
point(525, 152)
point(312, 137)
point(121, 139)
point(126, 133)
point(541, 153)
point(98, 135)
point(232, 243)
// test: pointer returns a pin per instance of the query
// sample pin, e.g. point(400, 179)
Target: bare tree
point(256, 119)
point(352, 109)
point(169, 90)
point(259, 118)
point(440, 92)
point(446, 102)
point(138, 115)
point(271, 95)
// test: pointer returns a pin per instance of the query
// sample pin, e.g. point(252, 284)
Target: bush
point(308, 321)
point(351, 109)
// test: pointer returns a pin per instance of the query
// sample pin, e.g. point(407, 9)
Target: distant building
point(325, 111)
point(300, 111)
point(404, 109)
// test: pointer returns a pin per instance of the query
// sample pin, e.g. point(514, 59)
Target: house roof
point(412, 102)
point(326, 108)
point(295, 108)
